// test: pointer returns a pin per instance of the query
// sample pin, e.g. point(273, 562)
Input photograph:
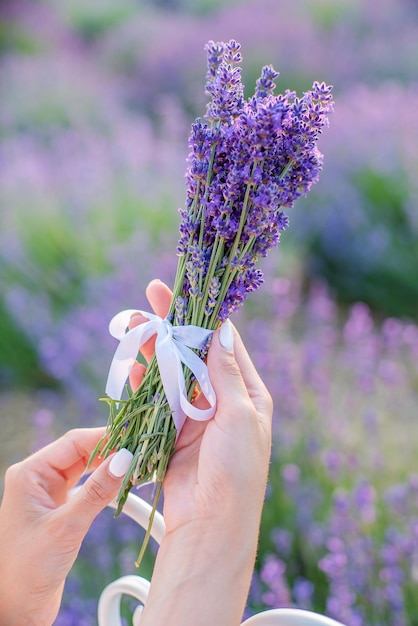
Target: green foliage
point(17, 39)
point(206, 7)
point(328, 14)
point(191, 7)
point(378, 261)
point(19, 363)
point(95, 18)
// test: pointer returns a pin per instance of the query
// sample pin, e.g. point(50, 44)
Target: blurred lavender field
point(97, 102)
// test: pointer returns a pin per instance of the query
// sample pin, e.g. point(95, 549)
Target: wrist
point(15, 613)
point(23, 599)
point(220, 537)
point(202, 575)
point(20, 612)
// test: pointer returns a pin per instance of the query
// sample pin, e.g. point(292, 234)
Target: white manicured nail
point(120, 463)
point(226, 336)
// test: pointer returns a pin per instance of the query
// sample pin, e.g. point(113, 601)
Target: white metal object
point(137, 509)
point(289, 617)
point(138, 587)
point(108, 610)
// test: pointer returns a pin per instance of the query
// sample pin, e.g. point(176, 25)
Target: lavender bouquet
point(249, 160)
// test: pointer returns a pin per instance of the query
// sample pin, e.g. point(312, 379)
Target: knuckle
point(72, 434)
point(234, 370)
point(19, 477)
point(12, 471)
point(95, 492)
point(12, 475)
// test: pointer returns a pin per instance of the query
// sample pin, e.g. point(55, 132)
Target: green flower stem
point(228, 277)
point(217, 253)
point(151, 520)
point(286, 168)
point(200, 214)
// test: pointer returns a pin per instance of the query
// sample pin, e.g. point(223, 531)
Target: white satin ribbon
point(172, 348)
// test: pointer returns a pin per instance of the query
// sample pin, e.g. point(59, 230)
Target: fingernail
point(226, 336)
point(120, 463)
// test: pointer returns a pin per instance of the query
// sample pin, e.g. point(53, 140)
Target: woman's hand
point(41, 527)
point(215, 461)
point(213, 491)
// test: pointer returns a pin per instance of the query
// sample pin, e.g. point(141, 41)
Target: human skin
point(213, 497)
point(41, 527)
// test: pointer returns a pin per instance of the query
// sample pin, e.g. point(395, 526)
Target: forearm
point(202, 576)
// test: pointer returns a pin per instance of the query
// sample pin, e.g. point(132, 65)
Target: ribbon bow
point(172, 348)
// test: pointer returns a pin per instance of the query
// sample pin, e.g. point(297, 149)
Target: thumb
point(99, 490)
point(224, 371)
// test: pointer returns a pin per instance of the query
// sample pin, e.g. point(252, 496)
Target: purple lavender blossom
point(273, 574)
point(248, 159)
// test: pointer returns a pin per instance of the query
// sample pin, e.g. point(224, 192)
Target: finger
point(51, 472)
point(235, 379)
point(148, 348)
point(136, 375)
point(69, 454)
point(97, 492)
point(159, 297)
point(192, 430)
point(255, 386)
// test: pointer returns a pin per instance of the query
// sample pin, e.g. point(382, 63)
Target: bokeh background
point(97, 99)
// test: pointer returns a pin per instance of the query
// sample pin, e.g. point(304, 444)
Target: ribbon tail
point(120, 368)
point(168, 364)
point(125, 356)
point(200, 371)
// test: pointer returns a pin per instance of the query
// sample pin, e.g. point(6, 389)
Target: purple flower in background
point(303, 591)
point(273, 575)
